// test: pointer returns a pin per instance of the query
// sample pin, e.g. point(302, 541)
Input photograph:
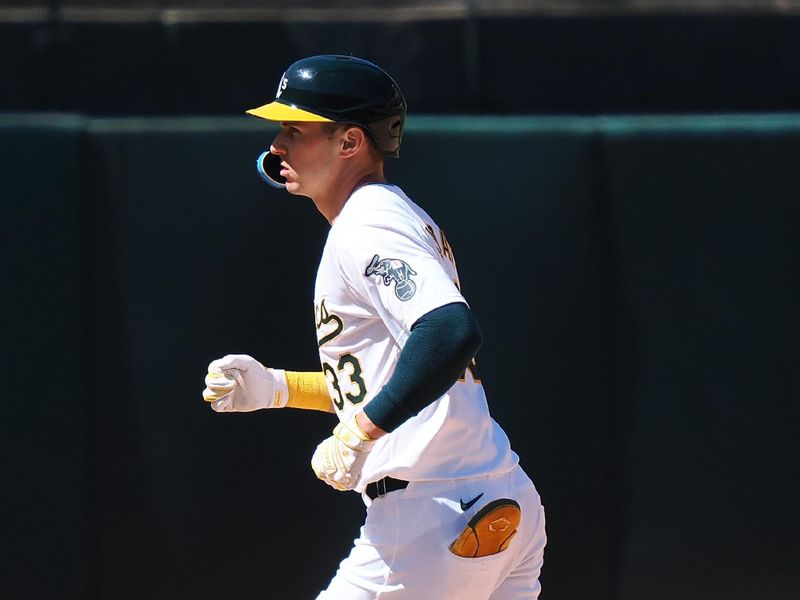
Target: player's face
point(308, 157)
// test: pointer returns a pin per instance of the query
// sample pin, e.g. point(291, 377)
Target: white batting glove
point(339, 459)
point(239, 383)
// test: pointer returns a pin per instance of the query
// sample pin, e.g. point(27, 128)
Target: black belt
point(379, 488)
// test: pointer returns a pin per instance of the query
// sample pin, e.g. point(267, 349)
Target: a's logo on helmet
point(394, 269)
point(282, 86)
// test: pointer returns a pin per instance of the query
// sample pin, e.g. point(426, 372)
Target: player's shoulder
point(375, 198)
point(378, 205)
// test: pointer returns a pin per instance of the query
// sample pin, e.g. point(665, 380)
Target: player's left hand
point(339, 459)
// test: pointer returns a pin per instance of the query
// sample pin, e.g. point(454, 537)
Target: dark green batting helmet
point(341, 89)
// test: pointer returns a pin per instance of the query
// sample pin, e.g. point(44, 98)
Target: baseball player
point(450, 513)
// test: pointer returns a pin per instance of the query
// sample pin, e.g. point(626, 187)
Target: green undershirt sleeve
point(439, 348)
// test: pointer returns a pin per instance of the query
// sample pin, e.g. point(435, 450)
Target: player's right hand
point(239, 383)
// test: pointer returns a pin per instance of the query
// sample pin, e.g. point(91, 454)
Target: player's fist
point(238, 382)
point(338, 460)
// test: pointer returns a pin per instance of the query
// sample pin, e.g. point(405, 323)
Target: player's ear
point(353, 140)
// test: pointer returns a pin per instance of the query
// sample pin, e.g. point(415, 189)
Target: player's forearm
point(440, 347)
point(308, 390)
point(370, 429)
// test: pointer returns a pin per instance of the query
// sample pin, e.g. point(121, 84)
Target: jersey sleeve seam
point(433, 305)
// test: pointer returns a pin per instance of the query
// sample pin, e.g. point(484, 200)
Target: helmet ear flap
point(268, 166)
point(388, 134)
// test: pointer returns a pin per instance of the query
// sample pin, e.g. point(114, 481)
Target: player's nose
point(277, 148)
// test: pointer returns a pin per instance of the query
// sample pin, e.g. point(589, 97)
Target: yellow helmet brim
point(277, 111)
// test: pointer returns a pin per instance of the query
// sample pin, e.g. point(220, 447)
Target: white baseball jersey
point(386, 264)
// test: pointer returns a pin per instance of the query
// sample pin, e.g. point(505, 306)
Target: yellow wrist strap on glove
point(351, 434)
point(308, 390)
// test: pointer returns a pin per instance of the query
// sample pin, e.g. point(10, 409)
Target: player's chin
point(293, 188)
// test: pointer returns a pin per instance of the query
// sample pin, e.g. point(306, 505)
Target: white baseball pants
point(402, 552)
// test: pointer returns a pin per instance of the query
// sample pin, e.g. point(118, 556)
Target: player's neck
point(331, 204)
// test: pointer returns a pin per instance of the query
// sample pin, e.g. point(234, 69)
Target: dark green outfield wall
point(46, 500)
point(635, 279)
